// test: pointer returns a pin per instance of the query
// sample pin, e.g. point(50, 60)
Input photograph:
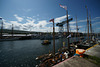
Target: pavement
point(76, 61)
point(93, 51)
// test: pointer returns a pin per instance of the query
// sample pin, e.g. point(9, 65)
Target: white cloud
point(96, 23)
point(33, 16)
point(43, 23)
point(82, 20)
point(26, 10)
point(73, 30)
point(94, 19)
point(97, 18)
point(37, 18)
point(6, 25)
point(45, 29)
point(72, 22)
point(72, 26)
point(38, 15)
point(39, 26)
point(98, 28)
point(60, 19)
point(29, 18)
point(18, 18)
point(17, 25)
point(15, 22)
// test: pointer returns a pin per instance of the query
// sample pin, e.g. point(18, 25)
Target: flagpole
point(54, 38)
point(52, 20)
point(67, 25)
point(67, 30)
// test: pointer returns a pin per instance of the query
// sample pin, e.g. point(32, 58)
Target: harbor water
point(22, 53)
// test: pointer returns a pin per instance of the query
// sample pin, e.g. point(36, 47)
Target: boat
point(51, 61)
point(64, 53)
point(54, 58)
point(82, 38)
point(45, 42)
point(42, 56)
point(60, 56)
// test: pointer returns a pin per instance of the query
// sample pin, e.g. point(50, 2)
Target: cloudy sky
point(34, 15)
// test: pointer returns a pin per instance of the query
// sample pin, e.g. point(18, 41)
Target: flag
point(69, 36)
point(0, 18)
point(52, 20)
point(65, 7)
point(77, 28)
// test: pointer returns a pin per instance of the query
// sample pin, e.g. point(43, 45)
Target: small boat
point(81, 38)
point(46, 42)
point(42, 56)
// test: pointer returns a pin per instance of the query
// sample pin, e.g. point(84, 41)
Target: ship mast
point(65, 7)
point(90, 26)
point(87, 24)
point(54, 37)
point(12, 30)
point(76, 27)
point(67, 30)
point(1, 28)
point(52, 20)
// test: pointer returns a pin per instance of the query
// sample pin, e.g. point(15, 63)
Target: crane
point(61, 25)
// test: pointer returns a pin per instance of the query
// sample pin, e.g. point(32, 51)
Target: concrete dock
point(76, 61)
point(93, 51)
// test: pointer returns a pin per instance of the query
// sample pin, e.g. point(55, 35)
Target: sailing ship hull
point(45, 42)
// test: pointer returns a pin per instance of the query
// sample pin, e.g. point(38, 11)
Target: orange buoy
point(80, 52)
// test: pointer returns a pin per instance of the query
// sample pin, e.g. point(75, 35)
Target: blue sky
point(34, 15)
